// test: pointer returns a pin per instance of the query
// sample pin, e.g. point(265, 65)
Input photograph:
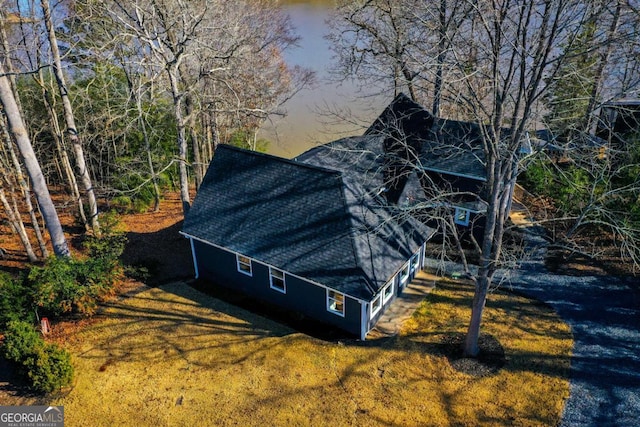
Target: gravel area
point(604, 315)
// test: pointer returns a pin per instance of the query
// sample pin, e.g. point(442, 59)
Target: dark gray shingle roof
point(454, 147)
point(308, 220)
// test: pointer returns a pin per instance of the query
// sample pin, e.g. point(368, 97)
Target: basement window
point(335, 302)
point(462, 216)
point(244, 264)
point(276, 279)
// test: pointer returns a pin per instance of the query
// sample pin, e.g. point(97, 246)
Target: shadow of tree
point(158, 257)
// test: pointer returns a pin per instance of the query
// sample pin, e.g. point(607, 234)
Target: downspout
point(364, 322)
point(195, 260)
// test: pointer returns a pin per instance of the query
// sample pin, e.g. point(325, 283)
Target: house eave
point(461, 175)
point(206, 242)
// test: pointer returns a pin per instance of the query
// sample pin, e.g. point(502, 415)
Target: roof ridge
point(277, 158)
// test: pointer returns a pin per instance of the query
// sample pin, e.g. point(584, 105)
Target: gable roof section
point(445, 146)
point(361, 157)
point(305, 219)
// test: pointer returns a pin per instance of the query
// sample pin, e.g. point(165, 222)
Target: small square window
point(244, 264)
point(277, 282)
point(462, 216)
point(335, 302)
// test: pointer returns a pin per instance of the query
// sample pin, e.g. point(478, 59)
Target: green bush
point(14, 300)
point(47, 366)
point(21, 341)
point(65, 285)
point(54, 286)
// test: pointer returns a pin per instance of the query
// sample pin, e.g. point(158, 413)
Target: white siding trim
point(462, 175)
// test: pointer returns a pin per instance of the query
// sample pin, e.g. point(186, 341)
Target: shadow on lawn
point(158, 257)
point(298, 322)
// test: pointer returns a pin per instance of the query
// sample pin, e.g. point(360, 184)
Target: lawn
point(175, 356)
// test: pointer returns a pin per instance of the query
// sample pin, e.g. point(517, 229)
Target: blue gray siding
point(219, 266)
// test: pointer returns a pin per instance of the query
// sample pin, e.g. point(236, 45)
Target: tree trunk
point(182, 140)
point(26, 192)
point(471, 346)
point(67, 169)
point(17, 226)
point(18, 130)
point(72, 130)
point(589, 122)
point(195, 143)
point(442, 42)
point(17, 167)
point(147, 146)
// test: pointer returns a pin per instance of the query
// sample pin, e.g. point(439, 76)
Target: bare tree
point(18, 131)
point(200, 53)
point(72, 130)
point(13, 169)
point(496, 63)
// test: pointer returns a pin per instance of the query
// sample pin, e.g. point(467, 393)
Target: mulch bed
point(489, 361)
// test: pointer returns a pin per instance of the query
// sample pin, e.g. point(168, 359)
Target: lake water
point(307, 123)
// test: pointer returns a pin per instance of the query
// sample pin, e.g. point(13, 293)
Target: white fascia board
point(462, 175)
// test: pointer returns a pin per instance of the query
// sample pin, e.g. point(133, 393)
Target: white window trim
point(387, 292)
point(330, 299)
point(457, 214)
point(405, 271)
point(284, 281)
point(375, 310)
point(240, 263)
point(414, 263)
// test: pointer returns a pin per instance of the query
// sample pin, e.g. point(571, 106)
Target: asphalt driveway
point(604, 314)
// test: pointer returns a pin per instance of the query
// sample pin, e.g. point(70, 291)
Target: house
point(332, 233)
point(619, 120)
point(310, 235)
point(435, 163)
point(563, 151)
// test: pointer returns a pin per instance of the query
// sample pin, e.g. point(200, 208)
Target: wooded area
point(119, 101)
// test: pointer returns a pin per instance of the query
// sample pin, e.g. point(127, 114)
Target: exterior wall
point(397, 288)
point(220, 267)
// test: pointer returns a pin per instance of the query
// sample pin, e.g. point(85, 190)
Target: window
point(335, 302)
point(462, 216)
point(276, 277)
point(376, 305)
point(415, 263)
point(404, 275)
point(244, 264)
point(387, 292)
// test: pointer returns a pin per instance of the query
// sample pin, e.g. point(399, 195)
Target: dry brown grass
point(173, 356)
